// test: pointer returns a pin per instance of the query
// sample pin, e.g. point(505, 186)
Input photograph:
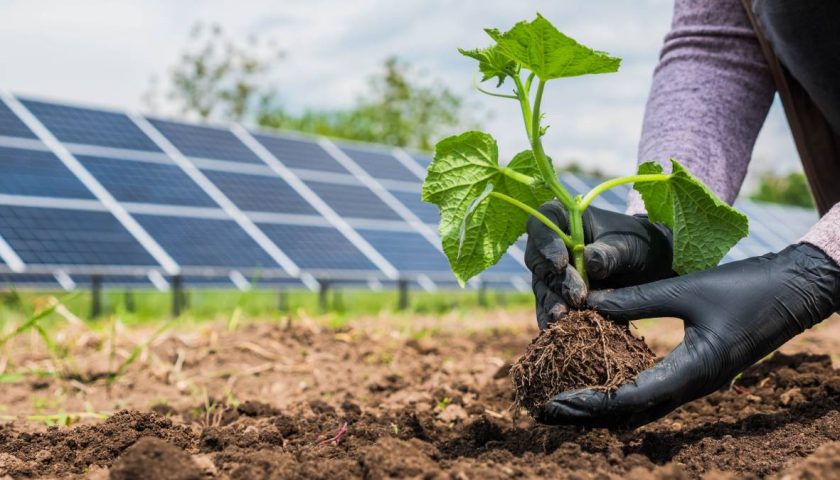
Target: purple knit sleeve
point(710, 95)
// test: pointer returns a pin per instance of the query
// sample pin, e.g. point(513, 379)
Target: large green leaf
point(544, 50)
point(704, 227)
point(492, 63)
point(476, 228)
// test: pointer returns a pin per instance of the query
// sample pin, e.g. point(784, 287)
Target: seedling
point(484, 205)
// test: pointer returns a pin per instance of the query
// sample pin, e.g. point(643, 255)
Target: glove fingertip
point(574, 289)
point(601, 260)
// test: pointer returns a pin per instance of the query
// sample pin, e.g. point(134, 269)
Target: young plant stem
point(543, 163)
point(576, 232)
point(536, 214)
point(603, 187)
point(523, 93)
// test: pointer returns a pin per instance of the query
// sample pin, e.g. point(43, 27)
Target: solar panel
point(379, 164)
point(205, 142)
point(20, 280)
point(506, 265)
point(11, 125)
point(144, 182)
point(423, 159)
point(52, 236)
point(260, 193)
point(38, 173)
point(91, 127)
point(353, 201)
point(427, 212)
point(313, 247)
point(203, 242)
point(300, 154)
point(407, 251)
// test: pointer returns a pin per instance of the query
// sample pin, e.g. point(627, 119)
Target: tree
point(790, 189)
point(401, 107)
point(216, 77)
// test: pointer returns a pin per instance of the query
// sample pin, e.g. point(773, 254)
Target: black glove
point(734, 315)
point(621, 251)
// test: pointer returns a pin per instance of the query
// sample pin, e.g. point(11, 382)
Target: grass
point(230, 306)
point(42, 318)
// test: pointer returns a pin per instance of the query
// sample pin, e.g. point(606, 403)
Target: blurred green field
point(148, 306)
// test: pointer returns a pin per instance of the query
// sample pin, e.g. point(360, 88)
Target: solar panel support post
point(283, 300)
point(482, 293)
point(338, 300)
point(95, 296)
point(128, 301)
point(177, 286)
point(323, 295)
point(402, 299)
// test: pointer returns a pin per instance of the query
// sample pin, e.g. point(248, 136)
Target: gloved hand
point(734, 315)
point(621, 251)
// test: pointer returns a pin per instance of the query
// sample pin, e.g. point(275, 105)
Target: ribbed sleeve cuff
point(825, 235)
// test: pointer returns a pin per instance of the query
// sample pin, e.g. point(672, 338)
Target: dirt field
point(411, 397)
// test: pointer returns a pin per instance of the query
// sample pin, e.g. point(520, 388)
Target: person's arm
point(711, 93)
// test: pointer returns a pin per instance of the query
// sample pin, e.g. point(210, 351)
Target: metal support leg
point(95, 296)
point(177, 287)
point(482, 294)
point(323, 298)
point(338, 300)
point(128, 301)
point(402, 300)
point(283, 301)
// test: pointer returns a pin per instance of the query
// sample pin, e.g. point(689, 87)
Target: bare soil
point(386, 398)
point(581, 350)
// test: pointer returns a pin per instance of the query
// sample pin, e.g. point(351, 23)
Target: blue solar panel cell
point(143, 182)
point(352, 201)
point(91, 127)
point(11, 125)
point(206, 142)
point(423, 159)
point(314, 247)
point(425, 211)
point(50, 236)
point(407, 251)
point(301, 154)
point(206, 243)
point(18, 280)
point(379, 164)
point(259, 193)
point(38, 173)
point(507, 265)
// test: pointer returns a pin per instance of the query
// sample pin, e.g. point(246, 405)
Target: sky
point(103, 53)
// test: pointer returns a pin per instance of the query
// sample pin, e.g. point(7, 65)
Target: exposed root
point(581, 350)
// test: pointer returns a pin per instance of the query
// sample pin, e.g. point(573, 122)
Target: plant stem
point(492, 94)
point(576, 231)
point(519, 177)
point(601, 188)
point(524, 103)
point(536, 214)
point(543, 162)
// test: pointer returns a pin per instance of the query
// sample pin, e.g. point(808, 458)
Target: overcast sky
point(104, 53)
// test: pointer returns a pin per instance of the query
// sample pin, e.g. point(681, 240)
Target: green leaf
point(492, 63)
point(476, 229)
point(704, 227)
point(544, 50)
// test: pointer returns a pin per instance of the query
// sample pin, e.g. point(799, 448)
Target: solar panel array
point(137, 199)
